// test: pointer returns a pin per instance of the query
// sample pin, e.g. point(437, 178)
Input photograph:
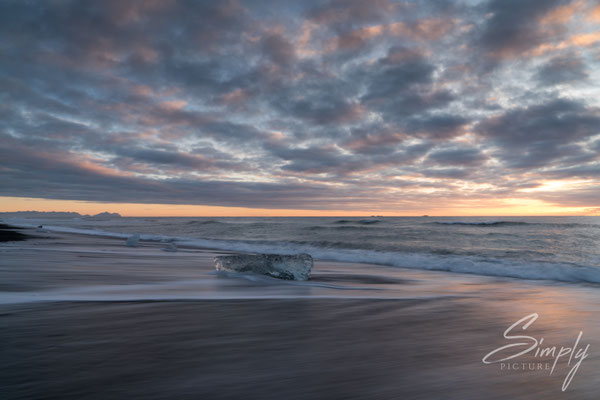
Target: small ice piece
point(133, 240)
point(171, 247)
point(40, 229)
point(289, 267)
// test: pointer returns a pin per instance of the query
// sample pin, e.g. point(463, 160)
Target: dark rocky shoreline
point(10, 233)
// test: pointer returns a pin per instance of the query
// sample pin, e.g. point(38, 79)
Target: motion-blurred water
point(555, 248)
point(88, 317)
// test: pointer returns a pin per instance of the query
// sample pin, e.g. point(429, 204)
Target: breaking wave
point(469, 264)
point(515, 223)
point(485, 223)
point(209, 222)
point(359, 221)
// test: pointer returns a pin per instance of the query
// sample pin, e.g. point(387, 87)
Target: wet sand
point(67, 333)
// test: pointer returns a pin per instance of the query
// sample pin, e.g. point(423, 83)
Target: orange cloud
point(594, 15)
point(142, 90)
point(580, 40)
point(354, 39)
point(585, 39)
point(424, 29)
point(562, 14)
point(303, 41)
point(236, 96)
point(173, 105)
point(374, 141)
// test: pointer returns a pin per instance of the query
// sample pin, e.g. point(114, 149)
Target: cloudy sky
point(346, 107)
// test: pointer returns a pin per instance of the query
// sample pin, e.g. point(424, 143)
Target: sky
point(300, 107)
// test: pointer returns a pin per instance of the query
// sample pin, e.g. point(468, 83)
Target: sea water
point(549, 248)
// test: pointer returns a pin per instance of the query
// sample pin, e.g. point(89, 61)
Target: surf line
point(527, 344)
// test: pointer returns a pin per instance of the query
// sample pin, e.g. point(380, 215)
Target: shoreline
point(100, 319)
point(536, 271)
point(9, 233)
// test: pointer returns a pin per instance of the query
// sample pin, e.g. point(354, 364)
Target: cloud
point(401, 84)
point(563, 69)
point(399, 70)
point(336, 12)
point(538, 135)
point(438, 126)
point(513, 27)
point(457, 156)
point(452, 173)
point(322, 108)
point(278, 49)
point(317, 104)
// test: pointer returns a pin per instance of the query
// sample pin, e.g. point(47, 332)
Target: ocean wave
point(359, 221)
point(517, 223)
point(468, 264)
point(204, 222)
point(564, 272)
point(485, 223)
point(338, 228)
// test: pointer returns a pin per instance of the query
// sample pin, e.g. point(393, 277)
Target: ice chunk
point(289, 267)
point(40, 229)
point(133, 240)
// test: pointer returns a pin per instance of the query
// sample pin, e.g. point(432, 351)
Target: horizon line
point(303, 216)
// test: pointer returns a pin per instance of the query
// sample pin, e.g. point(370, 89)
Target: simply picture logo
point(511, 355)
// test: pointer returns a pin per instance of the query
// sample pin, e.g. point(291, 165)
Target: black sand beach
point(299, 200)
point(10, 234)
point(68, 333)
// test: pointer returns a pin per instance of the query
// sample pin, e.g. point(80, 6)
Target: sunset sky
point(300, 108)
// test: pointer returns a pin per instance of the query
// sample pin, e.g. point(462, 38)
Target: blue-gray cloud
point(316, 104)
point(565, 68)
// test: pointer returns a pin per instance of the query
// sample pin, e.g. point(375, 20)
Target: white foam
point(451, 263)
point(236, 286)
point(564, 272)
point(26, 297)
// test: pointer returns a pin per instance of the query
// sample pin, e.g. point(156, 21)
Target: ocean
point(563, 249)
point(393, 308)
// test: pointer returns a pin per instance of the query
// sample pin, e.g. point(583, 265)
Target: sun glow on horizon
point(509, 207)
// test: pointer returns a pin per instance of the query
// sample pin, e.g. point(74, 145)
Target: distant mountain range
point(58, 214)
